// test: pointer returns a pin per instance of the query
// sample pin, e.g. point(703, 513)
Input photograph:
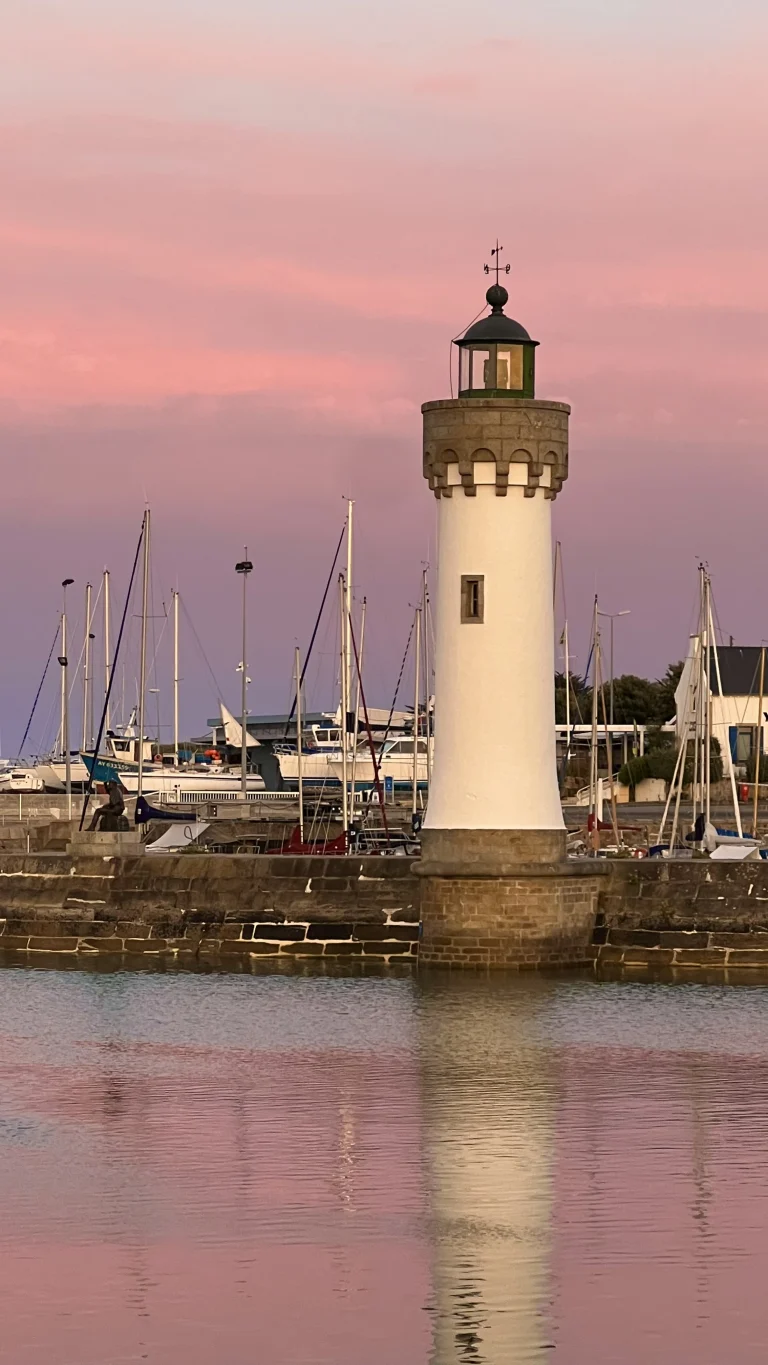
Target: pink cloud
point(284, 274)
point(68, 365)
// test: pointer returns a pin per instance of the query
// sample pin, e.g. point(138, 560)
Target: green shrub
point(763, 768)
point(661, 762)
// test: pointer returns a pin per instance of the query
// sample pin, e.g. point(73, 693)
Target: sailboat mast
point(425, 627)
point(63, 676)
point(143, 667)
point(356, 730)
point(416, 698)
point(65, 699)
point(86, 664)
point(559, 576)
point(567, 665)
point(344, 700)
point(593, 764)
point(716, 660)
point(700, 694)
point(65, 714)
point(298, 744)
point(107, 663)
point(348, 619)
point(176, 678)
point(707, 666)
point(758, 744)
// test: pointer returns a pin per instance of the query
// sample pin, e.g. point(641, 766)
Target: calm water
point(236, 1170)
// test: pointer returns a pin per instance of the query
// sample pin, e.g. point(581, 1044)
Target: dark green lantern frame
point(488, 353)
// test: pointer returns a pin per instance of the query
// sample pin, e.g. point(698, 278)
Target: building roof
point(496, 326)
point(739, 671)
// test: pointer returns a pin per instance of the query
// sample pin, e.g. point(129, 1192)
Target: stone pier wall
point(645, 916)
point(686, 917)
point(189, 907)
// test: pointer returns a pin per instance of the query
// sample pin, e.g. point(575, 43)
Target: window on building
point(744, 741)
point(472, 597)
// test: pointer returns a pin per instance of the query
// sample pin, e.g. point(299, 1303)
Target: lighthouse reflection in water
point(428, 1171)
point(489, 1105)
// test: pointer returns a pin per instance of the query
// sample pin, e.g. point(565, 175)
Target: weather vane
point(496, 265)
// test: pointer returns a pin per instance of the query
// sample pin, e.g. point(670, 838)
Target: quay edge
point(693, 920)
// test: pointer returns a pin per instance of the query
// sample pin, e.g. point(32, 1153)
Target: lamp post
point(244, 567)
point(66, 583)
point(612, 615)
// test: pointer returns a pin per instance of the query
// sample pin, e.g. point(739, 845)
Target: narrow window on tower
point(472, 598)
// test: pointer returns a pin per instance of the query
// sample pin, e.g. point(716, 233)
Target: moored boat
point(394, 762)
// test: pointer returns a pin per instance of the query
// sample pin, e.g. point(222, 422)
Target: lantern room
point(496, 355)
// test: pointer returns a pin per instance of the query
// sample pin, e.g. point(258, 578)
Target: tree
point(665, 692)
point(634, 700)
point(581, 700)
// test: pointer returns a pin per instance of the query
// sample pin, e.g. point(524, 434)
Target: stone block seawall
point(188, 907)
point(695, 916)
point(687, 917)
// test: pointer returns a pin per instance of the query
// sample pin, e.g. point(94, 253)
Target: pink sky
point(234, 247)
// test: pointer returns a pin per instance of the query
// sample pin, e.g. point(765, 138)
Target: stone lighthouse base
point(504, 899)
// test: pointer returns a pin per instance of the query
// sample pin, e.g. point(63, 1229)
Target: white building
point(735, 699)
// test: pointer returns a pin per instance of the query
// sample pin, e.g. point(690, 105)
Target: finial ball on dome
point(497, 296)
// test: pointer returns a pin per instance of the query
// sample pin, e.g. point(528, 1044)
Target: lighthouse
point(498, 889)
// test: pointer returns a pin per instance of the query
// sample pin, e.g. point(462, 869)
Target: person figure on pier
point(109, 817)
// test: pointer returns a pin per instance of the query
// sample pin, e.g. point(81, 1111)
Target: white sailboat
point(233, 731)
point(144, 772)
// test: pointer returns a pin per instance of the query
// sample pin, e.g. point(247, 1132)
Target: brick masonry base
point(504, 899)
point(521, 922)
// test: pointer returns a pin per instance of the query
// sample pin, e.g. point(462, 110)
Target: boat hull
point(400, 773)
point(174, 786)
point(315, 769)
point(188, 788)
point(54, 775)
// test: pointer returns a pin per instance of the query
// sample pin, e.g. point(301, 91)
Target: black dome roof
point(496, 326)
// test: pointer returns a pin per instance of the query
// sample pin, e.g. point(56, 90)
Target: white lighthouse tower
point(495, 458)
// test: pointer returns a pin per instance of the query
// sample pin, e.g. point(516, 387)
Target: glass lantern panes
point(503, 367)
point(481, 364)
point(509, 367)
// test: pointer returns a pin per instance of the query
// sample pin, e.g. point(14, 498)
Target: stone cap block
point(464, 404)
point(489, 852)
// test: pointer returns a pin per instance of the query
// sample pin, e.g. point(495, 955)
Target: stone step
point(122, 843)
